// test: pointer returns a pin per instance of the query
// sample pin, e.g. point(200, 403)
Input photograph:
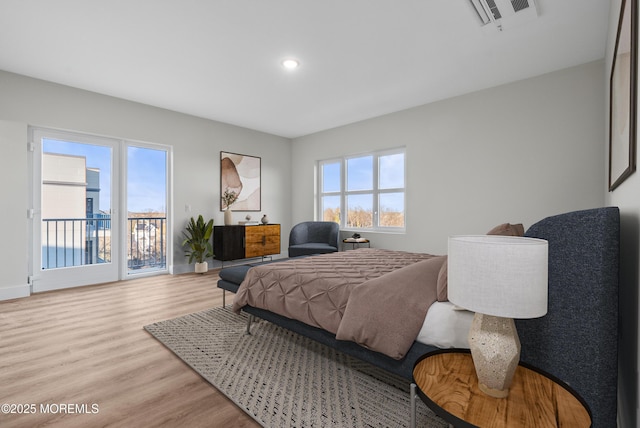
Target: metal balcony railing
point(70, 242)
point(147, 242)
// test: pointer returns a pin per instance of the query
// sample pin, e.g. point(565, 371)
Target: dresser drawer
point(238, 242)
point(262, 240)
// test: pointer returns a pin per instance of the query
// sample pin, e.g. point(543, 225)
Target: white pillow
point(446, 326)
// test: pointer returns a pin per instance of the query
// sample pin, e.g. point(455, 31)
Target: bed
point(576, 341)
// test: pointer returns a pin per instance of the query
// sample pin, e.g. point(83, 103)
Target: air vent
point(494, 9)
point(504, 13)
point(519, 5)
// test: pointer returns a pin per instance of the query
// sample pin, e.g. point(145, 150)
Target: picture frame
point(241, 174)
point(623, 97)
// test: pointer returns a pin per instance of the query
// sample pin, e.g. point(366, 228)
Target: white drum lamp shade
point(499, 278)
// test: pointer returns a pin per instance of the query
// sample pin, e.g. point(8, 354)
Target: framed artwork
point(623, 96)
point(240, 177)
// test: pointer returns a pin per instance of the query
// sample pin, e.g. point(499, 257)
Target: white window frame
point(375, 191)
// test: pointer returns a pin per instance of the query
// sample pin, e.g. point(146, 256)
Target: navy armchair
point(313, 237)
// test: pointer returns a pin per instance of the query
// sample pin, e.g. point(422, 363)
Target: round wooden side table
point(355, 243)
point(446, 381)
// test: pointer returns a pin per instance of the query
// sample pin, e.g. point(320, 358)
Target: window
point(369, 188)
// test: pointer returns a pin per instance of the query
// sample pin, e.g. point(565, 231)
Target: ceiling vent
point(502, 14)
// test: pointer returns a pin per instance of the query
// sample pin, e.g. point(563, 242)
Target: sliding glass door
point(146, 231)
point(99, 209)
point(75, 237)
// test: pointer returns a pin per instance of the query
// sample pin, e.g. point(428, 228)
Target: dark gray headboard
point(577, 341)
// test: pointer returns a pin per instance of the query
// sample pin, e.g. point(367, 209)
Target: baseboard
point(15, 292)
point(179, 269)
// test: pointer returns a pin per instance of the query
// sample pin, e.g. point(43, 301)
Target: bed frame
point(577, 341)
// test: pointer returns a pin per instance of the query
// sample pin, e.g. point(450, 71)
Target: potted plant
point(198, 238)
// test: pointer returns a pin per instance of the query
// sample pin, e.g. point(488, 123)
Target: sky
point(146, 173)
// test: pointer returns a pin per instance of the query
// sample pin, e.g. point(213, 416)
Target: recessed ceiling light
point(290, 64)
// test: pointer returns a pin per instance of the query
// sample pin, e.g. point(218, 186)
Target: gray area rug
point(282, 379)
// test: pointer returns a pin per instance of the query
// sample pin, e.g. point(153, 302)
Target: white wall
point(13, 211)
point(627, 198)
point(196, 153)
point(515, 153)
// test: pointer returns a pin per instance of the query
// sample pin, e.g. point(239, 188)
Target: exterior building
point(70, 193)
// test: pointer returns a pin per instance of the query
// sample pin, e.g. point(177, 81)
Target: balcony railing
point(70, 242)
point(147, 242)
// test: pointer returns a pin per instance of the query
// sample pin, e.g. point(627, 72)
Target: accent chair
point(313, 237)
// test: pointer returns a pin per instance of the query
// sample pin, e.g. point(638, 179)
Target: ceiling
point(221, 59)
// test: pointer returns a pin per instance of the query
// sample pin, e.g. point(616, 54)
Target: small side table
point(355, 244)
point(447, 383)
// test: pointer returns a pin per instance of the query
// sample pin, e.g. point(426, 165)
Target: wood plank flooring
point(86, 346)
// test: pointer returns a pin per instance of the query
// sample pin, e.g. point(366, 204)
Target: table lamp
point(499, 278)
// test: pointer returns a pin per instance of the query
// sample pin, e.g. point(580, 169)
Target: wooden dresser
point(243, 242)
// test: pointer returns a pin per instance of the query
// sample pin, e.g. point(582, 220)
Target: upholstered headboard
point(577, 341)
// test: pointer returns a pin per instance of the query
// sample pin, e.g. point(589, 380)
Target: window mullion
point(376, 206)
point(343, 188)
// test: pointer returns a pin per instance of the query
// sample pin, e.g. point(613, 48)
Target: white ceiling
point(220, 59)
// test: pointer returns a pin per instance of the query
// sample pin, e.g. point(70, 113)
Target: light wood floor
point(87, 346)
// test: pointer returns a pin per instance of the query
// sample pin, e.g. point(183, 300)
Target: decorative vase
point(228, 217)
point(264, 219)
point(202, 267)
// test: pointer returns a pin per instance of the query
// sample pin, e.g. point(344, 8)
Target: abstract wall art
point(240, 174)
point(622, 102)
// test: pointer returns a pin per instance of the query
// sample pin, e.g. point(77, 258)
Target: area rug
point(282, 379)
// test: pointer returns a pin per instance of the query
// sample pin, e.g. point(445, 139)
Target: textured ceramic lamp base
point(495, 348)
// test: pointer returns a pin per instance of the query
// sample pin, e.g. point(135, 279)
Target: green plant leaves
point(198, 238)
